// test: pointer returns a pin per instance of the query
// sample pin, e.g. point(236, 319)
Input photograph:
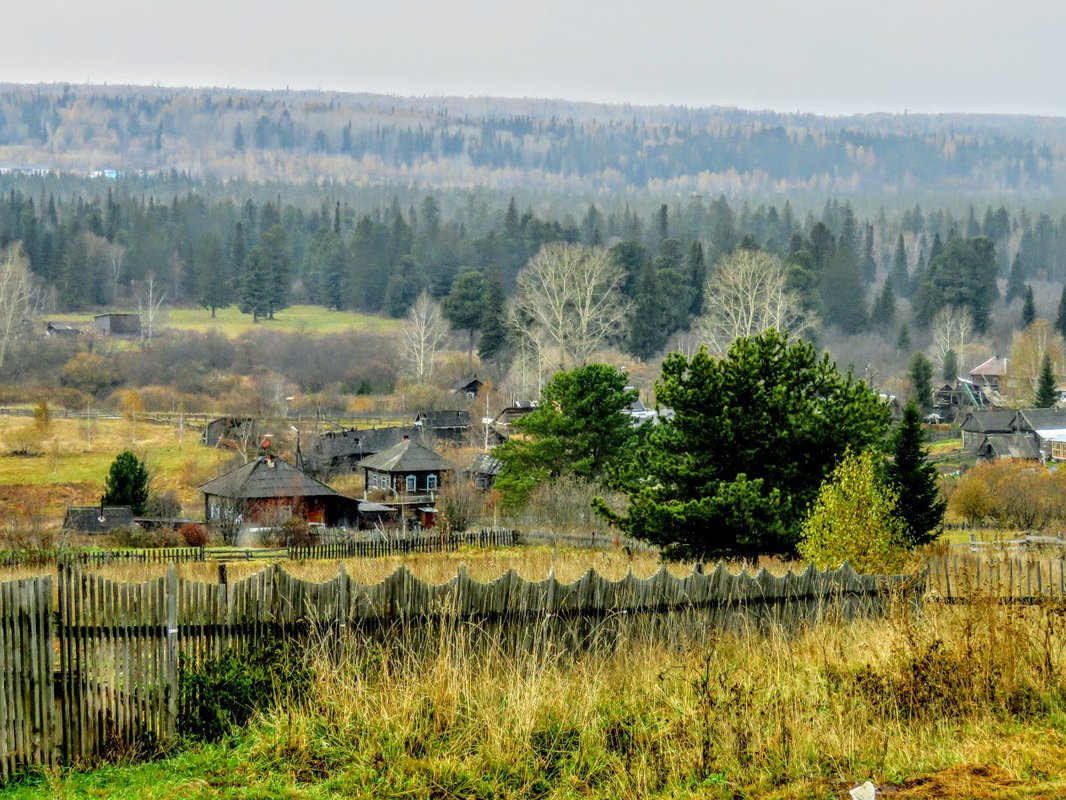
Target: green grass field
point(231, 322)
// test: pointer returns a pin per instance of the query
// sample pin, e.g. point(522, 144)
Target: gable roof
point(265, 478)
point(992, 367)
point(485, 464)
point(1041, 419)
point(1011, 445)
point(406, 456)
point(359, 441)
point(434, 420)
point(990, 421)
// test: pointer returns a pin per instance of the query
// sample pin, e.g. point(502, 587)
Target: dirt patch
point(964, 781)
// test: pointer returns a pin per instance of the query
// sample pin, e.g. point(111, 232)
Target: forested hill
point(538, 145)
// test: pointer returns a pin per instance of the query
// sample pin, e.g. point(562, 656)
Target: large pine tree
point(920, 505)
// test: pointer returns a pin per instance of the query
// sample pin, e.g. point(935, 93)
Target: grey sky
point(831, 56)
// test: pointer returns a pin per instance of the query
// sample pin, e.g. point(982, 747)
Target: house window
point(431, 483)
point(373, 480)
point(412, 483)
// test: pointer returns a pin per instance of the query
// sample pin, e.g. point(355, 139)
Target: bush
point(25, 441)
point(163, 505)
point(218, 695)
point(193, 534)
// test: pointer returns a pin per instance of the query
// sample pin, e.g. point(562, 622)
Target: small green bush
point(219, 695)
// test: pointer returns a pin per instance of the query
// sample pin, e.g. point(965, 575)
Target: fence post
point(172, 650)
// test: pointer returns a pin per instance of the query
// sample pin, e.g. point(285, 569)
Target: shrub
point(460, 504)
point(218, 695)
point(25, 441)
point(163, 505)
point(193, 534)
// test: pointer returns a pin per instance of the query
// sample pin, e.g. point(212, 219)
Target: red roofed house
point(992, 374)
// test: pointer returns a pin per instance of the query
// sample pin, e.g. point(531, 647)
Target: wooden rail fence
point(96, 664)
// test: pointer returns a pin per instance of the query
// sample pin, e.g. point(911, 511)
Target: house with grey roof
point(979, 424)
point(1013, 446)
point(267, 486)
point(406, 472)
point(337, 452)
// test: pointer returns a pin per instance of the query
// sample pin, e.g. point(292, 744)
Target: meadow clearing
point(231, 322)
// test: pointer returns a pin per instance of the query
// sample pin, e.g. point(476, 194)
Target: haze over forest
point(533, 146)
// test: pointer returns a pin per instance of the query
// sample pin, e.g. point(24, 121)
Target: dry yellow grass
point(75, 461)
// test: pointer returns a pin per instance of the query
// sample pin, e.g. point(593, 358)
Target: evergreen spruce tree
point(884, 310)
point(697, 275)
point(1016, 279)
point(950, 369)
point(899, 274)
point(920, 373)
point(903, 341)
point(1028, 308)
point(493, 338)
point(1046, 386)
point(1060, 320)
point(920, 505)
point(127, 483)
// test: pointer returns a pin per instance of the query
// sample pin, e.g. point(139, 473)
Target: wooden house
point(991, 374)
point(268, 488)
point(443, 424)
point(406, 472)
point(239, 429)
point(113, 324)
point(1011, 446)
point(469, 387)
point(484, 469)
point(979, 424)
point(337, 452)
point(61, 329)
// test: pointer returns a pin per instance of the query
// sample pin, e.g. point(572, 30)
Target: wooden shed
point(114, 324)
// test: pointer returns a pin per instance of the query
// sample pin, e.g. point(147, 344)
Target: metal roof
point(264, 478)
point(406, 456)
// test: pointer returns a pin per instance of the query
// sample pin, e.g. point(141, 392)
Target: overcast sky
point(828, 56)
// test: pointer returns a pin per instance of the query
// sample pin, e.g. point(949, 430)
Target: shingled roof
point(265, 478)
point(407, 456)
point(88, 519)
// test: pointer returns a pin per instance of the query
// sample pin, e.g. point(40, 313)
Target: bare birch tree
point(423, 332)
point(572, 295)
point(18, 297)
point(952, 329)
point(746, 295)
point(149, 301)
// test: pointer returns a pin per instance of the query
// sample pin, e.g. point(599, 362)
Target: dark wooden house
point(113, 324)
point(406, 472)
point(979, 424)
point(243, 430)
point(443, 424)
point(266, 488)
point(469, 387)
point(337, 452)
point(484, 469)
point(97, 519)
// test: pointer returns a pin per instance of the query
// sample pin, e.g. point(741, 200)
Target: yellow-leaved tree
point(854, 519)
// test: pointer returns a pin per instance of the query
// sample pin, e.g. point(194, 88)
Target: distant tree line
point(845, 271)
point(553, 144)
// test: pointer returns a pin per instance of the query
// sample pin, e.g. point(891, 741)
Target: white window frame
point(411, 484)
point(431, 483)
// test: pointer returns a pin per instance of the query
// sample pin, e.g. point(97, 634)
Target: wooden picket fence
point(95, 666)
point(1021, 578)
point(95, 557)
